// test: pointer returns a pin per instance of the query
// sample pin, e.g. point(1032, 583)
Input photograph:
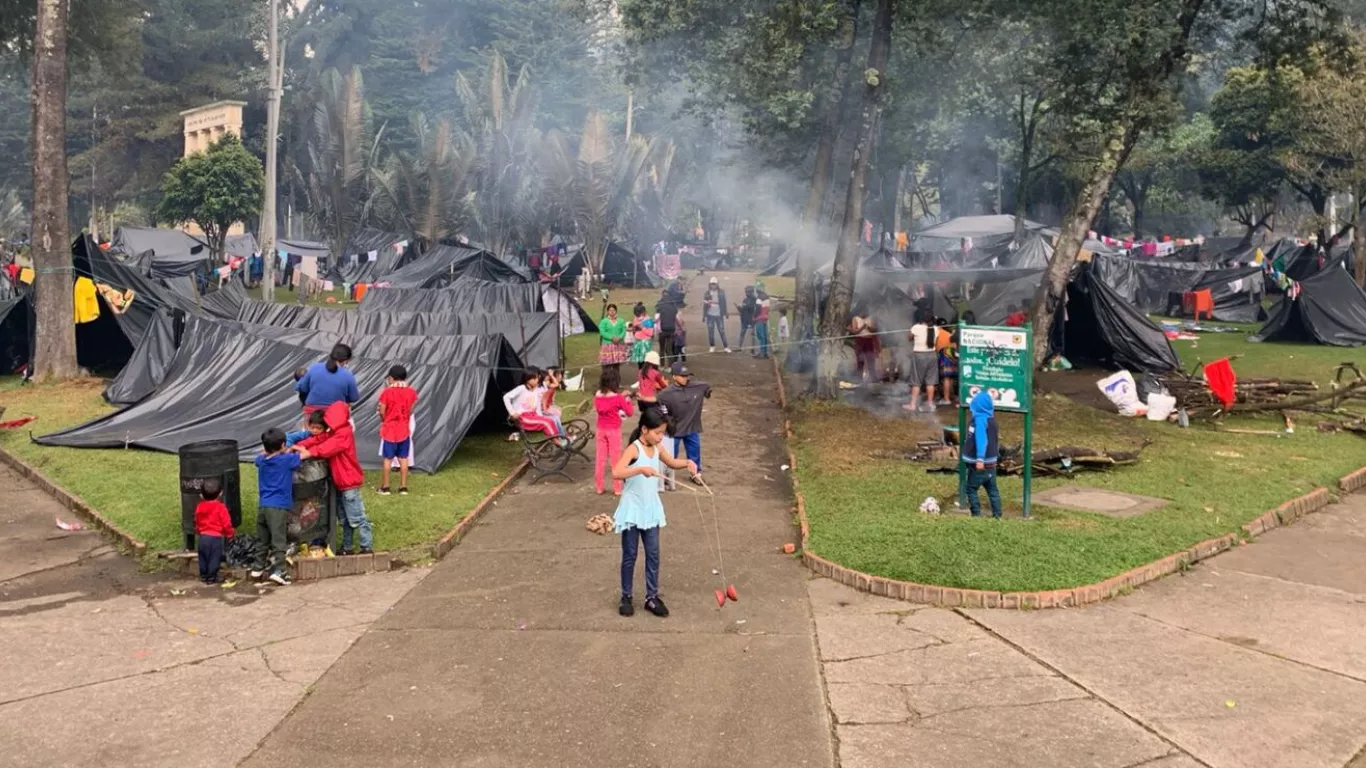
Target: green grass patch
point(862, 498)
point(138, 489)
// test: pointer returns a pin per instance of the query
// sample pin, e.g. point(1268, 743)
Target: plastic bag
point(1121, 390)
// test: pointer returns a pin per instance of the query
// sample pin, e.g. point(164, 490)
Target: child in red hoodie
point(334, 439)
point(212, 526)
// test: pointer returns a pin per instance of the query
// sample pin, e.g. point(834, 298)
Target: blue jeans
point(983, 478)
point(353, 519)
point(690, 443)
point(716, 325)
point(630, 538)
point(761, 335)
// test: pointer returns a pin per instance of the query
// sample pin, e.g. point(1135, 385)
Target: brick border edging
point(953, 597)
point(443, 547)
point(72, 502)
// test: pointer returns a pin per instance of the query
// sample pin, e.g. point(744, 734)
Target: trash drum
point(315, 504)
point(198, 462)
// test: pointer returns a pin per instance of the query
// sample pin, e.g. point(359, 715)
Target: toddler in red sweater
point(212, 526)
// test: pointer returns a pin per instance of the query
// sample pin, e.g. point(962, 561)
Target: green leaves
point(215, 189)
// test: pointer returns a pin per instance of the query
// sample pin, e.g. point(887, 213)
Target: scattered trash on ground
point(600, 524)
point(72, 526)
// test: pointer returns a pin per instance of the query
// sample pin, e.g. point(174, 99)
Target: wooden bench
point(550, 456)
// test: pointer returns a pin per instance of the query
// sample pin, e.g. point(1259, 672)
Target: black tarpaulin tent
point(440, 265)
point(241, 246)
point(16, 333)
point(1156, 287)
point(985, 231)
point(620, 267)
point(785, 265)
point(1096, 325)
point(1329, 309)
point(534, 336)
point(162, 253)
point(310, 248)
point(466, 295)
point(353, 264)
point(226, 384)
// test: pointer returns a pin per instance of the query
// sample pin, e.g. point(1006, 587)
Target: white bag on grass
point(1123, 392)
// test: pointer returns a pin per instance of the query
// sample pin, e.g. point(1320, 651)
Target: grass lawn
point(863, 504)
point(138, 489)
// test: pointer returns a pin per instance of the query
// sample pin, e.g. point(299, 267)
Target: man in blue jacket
point(980, 453)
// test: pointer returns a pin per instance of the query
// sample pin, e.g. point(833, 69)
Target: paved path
point(1255, 658)
point(104, 665)
point(511, 653)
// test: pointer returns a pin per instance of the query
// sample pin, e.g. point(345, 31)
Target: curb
point(72, 502)
point(443, 547)
point(313, 569)
point(953, 597)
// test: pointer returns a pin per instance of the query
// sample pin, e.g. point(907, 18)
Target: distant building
point(205, 125)
point(209, 123)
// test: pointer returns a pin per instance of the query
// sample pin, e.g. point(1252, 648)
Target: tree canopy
point(215, 189)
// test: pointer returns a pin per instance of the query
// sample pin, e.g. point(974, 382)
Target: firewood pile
point(1192, 393)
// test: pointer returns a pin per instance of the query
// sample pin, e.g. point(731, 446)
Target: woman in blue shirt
point(329, 382)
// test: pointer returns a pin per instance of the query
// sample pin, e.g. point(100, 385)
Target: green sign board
point(1000, 362)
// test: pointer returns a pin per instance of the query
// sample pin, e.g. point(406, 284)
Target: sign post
point(1000, 362)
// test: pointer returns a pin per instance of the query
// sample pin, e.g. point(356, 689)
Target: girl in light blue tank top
point(640, 513)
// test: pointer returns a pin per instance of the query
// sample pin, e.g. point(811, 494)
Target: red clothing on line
point(1017, 319)
point(398, 405)
point(211, 518)
point(1220, 378)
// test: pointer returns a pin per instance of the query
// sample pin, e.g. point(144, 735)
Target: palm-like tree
point(427, 191)
point(498, 118)
point(343, 159)
point(594, 188)
point(13, 214)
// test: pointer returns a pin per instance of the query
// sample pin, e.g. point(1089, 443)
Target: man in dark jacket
point(666, 327)
point(980, 454)
point(747, 308)
point(715, 311)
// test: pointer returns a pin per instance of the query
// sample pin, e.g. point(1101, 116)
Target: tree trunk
point(1139, 203)
point(55, 336)
point(897, 206)
point(1358, 249)
point(804, 308)
point(846, 257)
point(1075, 226)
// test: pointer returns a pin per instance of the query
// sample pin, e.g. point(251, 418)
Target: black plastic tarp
point(310, 248)
point(785, 265)
point(620, 267)
point(985, 231)
point(466, 295)
point(1330, 309)
point(146, 368)
point(225, 384)
point(442, 264)
point(353, 264)
point(16, 333)
point(162, 253)
point(1100, 328)
point(994, 302)
point(241, 246)
point(534, 336)
point(1156, 287)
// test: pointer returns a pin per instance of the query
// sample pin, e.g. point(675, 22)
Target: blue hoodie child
point(981, 447)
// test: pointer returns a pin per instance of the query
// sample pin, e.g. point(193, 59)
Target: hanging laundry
point(903, 241)
point(86, 299)
point(1220, 378)
point(117, 301)
point(372, 256)
point(26, 275)
point(867, 231)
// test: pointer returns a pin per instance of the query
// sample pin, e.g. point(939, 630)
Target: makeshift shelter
point(1157, 287)
point(354, 265)
point(1097, 325)
point(1325, 308)
point(162, 253)
point(440, 265)
point(534, 336)
point(466, 295)
point(984, 231)
point(621, 267)
point(225, 383)
point(16, 333)
point(783, 266)
point(241, 246)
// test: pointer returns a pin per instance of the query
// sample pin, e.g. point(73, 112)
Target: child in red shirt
point(395, 430)
point(212, 525)
point(610, 403)
point(334, 439)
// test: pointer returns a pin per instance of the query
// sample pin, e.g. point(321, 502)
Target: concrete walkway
point(105, 665)
point(511, 653)
point(1255, 658)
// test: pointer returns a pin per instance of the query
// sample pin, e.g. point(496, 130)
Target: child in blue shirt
point(275, 479)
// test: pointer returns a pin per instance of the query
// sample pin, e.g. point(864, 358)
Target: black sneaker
point(627, 608)
point(366, 551)
point(656, 606)
point(258, 573)
point(402, 491)
point(383, 490)
point(280, 577)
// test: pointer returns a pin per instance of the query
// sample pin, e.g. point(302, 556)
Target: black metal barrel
point(198, 462)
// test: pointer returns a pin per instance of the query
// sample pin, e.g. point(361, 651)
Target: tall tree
point(55, 335)
point(498, 115)
point(847, 256)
